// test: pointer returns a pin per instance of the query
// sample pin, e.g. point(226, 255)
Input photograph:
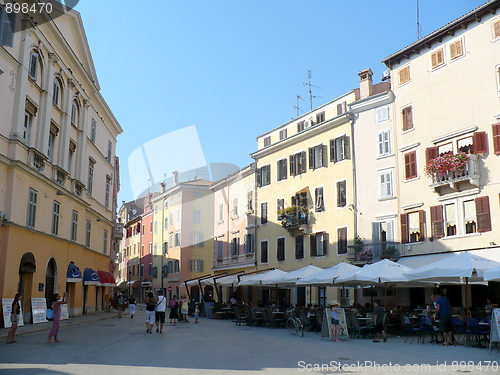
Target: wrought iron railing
point(373, 252)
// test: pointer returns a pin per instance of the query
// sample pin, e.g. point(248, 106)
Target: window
point(32, 199)
point(341, 108)
point(196, 265)
point(178, 218)
point(318, 243)
point(282, 169)
point(249, 243)
point(221, 212)
point(456, 49)
point(52, 141)
point(74, 113)
point(150, 227)
point(93, 130)
point(404, 75)
point(342, 240)
point(407, 117)
point(106, 193)
point(280, 245)
point(280, 205)
point(105, 243)
point(33, 69)
point(483, 214)
point(170, 239)
point(196, 217)
point(496, 28)
point(177, 267)
point(90, 177)
point(264, 176)
point(235, 246)
point(235, 207)
point(298, 163)
point(383, 113)
point(385, 184)
point(7, 27)
point(413, 226)
point(320, 117)
point(263, 252)
point(170, 267)
point(317, 156)
point(74, 225)
point(71, 155)
point(156, 226)
point(450, 218)
point(87, 237)
point(437, 58)
point(28, 120)
point(177, 239)
point(249, 200)
point(384, 143)
point(319, 200)
point(496, 138)
point(339, 149)
point(220, 247)
point(470, 220)
point(299, 247)
point(341, 193)
point(410, 165)
point(56, 88)
point(283, 134)
point(197, 239)
point(300, 126)
point(263, 213)
point(267, 141)
point(110, 148)
point(322, 298)
point(55, 218)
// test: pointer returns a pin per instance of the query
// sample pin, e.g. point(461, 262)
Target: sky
point(231, 70)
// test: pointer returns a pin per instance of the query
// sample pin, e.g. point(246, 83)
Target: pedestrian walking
point(174, 310)
point(184, 309)
point(161, 306)
point(379, 320)
point(150, 311)
point(120, 302)
point(14, 318)
point(131, 305)
point(196, 312)
point(56, 306)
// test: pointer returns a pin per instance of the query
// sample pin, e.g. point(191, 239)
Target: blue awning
point(91, 277)
point(74, 275)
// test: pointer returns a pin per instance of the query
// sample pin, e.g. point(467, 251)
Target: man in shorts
point(443, 312)
point(161, 305)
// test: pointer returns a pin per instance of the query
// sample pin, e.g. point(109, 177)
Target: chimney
point(163, 186)
point(176, 177)
point(365, 83)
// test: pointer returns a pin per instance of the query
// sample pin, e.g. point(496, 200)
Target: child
point(196, 313)
point(184, 309)
point(335, 321)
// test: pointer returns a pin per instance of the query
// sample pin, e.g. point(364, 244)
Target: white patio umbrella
point(460, 268)
point(381, 272)
point(328, 275)
point(259, 278)
point(290, 278)
point(493, 274)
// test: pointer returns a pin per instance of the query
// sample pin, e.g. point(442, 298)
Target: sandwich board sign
point(326, 329)
point(7, 310)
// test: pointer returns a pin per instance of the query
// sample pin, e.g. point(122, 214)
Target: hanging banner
point(39, 310)
point(326, 329)
point(7, 310)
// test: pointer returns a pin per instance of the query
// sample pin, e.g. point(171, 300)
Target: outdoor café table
point(364, 321)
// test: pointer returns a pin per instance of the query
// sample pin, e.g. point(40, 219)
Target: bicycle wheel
point(300, 327)
point(290, 325)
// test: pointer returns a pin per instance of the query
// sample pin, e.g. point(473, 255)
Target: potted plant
point(444, 164)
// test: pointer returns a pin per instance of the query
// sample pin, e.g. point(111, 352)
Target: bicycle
point(294, 324)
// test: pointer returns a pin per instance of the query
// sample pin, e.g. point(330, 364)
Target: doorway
point(50, 282)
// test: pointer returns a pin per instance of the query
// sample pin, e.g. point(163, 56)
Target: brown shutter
point(437, 223)
point(496, 29)
point(431, 153)
point(407, 118)
point(483, 214)
point(332, 150)
point(311, 158)
point(421, 219)
point(325, 243)
point(312, 243)
point(496, 134)
point(410, 165)
point(479, 142)
point(292, 165)
point(404, 228)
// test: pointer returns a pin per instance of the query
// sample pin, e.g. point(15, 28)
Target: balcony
point(237, 261)
point(365, 253)
point(453, 178)
point(293, 220)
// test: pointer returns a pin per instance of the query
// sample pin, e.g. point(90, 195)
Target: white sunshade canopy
point(454, 269)
point(383, 271)
point(261, 278)
point(291, 277)
point(493, 274)
point(327, 275)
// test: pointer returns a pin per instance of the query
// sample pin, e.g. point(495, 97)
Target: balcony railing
point(373, 252)
point(293, 220)
point(453, 178)
point(246, 259)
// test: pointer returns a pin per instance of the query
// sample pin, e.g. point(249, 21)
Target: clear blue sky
point(233, 68)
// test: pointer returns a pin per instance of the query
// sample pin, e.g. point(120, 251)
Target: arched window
point(74, 113)
point(35, 70)
point(56, 92)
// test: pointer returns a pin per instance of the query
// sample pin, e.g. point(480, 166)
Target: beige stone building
point(58, 167)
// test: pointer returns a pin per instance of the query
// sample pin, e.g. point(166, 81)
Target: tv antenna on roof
point(419, 29)
point(308, 83)
point(297, 106)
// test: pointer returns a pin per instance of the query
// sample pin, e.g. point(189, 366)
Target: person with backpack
point(161, 306)
point(174, 310)
point(150, 311)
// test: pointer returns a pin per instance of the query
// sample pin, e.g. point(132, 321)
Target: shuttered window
point(407, 117)
point(263, 252)
point(320, 117)
point(341, 193)
point(33, 69)
point(319, 204)
point(317, 156)
point(479, 142)
point(437, 58)
point(431, 153)
point(483, 214)
point(411, 165)
point(299, 247)
point(263, 213)
point(298, 163)
point(282, 169)
point(456, 49)
point(496, 29)
point(340, 149)
point(280, 245)
point(437, 224)
point(404, 74)
point(496, 138)
point(341, 241)
point(7, 27)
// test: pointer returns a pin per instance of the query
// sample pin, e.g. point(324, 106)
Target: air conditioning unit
point(386, 75)
point(306, 124)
